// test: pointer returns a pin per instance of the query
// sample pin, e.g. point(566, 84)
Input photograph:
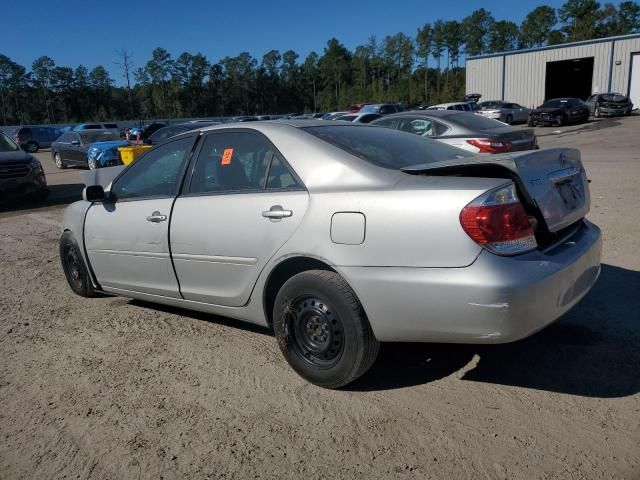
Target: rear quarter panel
point(415, 224)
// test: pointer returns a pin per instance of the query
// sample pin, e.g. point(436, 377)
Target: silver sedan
point(506, 112)
point(340, 236)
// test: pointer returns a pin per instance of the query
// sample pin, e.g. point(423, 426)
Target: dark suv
point(19, 171)
point(32, 138)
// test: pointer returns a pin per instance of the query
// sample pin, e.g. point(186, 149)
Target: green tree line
point(424, 69)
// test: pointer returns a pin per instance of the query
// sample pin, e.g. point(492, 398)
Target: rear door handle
point(276, 212)
point(156, 217)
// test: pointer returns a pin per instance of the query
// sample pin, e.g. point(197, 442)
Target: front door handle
point(156, 217)
point(277, 212)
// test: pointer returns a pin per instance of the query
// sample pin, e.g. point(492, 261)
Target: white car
point(461, 106)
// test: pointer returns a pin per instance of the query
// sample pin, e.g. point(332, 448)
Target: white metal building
point(529, 77)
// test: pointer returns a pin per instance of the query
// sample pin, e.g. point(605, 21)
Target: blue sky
point(89, 33)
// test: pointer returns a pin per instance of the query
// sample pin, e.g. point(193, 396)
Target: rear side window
point(236, 162)
point(110, 125)
point(386, 147)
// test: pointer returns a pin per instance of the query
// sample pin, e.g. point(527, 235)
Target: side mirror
point(95, 193)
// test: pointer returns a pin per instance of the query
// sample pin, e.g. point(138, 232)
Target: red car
point(355, 108)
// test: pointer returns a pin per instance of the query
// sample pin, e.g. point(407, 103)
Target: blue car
point(105, 154)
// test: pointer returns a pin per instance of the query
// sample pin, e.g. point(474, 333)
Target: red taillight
point(498, 222)
point(487, 145)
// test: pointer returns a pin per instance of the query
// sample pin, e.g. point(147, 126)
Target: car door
point(65, 148)
point(127, 240)
point(241, 204)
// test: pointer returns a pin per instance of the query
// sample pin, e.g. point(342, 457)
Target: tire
point(92, 164)
point(596, 112)
point(510, 119)
point(322, 329)
point(59, 161)
point(32, 147)
point(559, 121)
point(74, 267)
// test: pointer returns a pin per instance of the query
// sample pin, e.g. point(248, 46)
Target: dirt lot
point(111, 388)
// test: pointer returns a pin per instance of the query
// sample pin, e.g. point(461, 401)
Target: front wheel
point(559, 121)
point(322, 329)
point(92, 164)
point(596, 112)
point(509, 119)
point(59, 162)
point(74, 267)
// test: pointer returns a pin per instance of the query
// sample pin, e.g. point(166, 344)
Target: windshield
point(385, 147)
point(613, 97)
point(6, 144)
point(370, 109)
point(95, 136)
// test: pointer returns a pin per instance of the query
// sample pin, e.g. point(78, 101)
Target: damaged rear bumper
point(494, 300)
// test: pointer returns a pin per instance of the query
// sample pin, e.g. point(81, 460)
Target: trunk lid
point(520, 139)
point(553, 180)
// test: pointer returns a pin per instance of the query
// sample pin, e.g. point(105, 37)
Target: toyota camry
point(339, 237)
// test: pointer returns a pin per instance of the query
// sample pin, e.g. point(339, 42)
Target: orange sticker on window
point(226, 156)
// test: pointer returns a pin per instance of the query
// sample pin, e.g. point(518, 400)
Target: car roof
point(422, 113)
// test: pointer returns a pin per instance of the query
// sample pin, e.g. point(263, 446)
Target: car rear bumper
point(494, 300)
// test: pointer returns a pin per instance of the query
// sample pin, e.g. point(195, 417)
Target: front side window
point(230, 162)
point(156, 174)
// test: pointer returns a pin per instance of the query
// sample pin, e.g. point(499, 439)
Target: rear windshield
point(556, 103)
point(475, 122)
point(101, 136)
point(491, 104)
point(385, 147)
point(6, 144)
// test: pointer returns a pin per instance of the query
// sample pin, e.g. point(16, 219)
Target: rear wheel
point(322, 329)
point(59, 161)
point(32, 147)
point(74, 267)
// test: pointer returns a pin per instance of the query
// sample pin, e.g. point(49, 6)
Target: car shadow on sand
point(590, 125)
point(593, 351)
point(58, 195)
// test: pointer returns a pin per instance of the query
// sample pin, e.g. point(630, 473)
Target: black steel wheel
point(74, 267)
point(322, 329)
point(316, 331)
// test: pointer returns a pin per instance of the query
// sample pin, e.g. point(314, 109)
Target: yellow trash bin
point(130, 154)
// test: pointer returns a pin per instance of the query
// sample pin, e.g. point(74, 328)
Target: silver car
point(340, 236)
point(506, 112)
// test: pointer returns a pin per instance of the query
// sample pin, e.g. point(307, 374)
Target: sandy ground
point(112, 388)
